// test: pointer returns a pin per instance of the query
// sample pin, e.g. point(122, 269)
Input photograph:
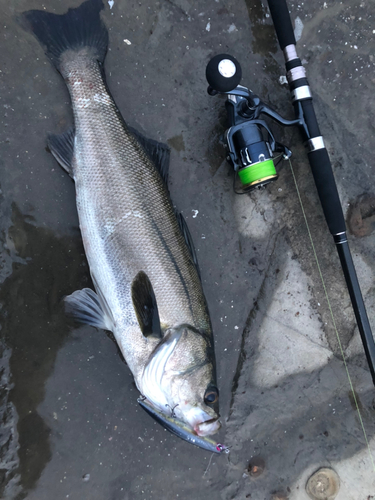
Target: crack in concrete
point(248, 326)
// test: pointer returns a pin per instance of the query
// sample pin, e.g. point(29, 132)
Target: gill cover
point(152, 380)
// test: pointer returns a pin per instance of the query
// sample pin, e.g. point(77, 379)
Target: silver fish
point(142, 263)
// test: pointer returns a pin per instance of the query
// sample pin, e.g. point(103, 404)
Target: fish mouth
point(177, 427)
point(207, 427)
point(201, 422)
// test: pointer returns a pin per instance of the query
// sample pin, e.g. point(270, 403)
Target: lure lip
point(181, 430)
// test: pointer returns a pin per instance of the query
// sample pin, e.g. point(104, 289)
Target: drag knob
point(223, 73)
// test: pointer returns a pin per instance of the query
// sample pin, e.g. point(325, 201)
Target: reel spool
point(249, 141)
point(258, 175)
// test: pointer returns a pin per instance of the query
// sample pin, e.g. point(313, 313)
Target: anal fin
point(62, 147)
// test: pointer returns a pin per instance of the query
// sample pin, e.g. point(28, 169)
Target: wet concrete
point(72, 426)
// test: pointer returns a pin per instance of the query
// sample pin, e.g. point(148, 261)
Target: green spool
point(258, 172)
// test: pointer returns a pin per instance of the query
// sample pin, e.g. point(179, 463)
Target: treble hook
point(173, 415)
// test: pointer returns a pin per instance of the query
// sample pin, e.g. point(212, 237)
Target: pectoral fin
point(85, 306)
point(145, 306)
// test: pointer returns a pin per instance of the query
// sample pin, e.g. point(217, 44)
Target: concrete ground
point(71, 425)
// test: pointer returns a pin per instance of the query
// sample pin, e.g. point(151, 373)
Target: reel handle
point(223, 73)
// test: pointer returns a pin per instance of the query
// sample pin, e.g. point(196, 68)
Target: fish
point(141, 257)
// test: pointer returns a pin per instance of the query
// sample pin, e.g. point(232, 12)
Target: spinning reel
point(249, 141)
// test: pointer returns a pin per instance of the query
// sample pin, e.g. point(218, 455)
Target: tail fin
point(78, 28)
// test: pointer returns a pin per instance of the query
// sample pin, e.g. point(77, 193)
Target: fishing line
point(209, 463)
point(332, 316)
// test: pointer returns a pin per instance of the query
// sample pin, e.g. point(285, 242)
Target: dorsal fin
point(189, 240)
point(158, 152)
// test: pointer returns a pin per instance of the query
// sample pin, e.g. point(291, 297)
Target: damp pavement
point(71, 425)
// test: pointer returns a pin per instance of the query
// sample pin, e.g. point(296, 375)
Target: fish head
point(194, 397)
point(179, 380)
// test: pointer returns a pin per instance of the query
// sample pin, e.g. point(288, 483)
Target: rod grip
point(327, 190)
point(282, 22)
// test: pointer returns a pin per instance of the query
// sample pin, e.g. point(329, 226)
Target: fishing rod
point(251, 146)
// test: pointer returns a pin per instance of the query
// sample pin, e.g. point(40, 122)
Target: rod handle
point(282, 22)
point(327, 190)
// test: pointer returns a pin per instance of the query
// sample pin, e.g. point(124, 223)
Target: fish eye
point(211, 395)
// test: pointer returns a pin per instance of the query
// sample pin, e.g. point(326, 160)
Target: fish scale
point(134, 203)
point(110, 202)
